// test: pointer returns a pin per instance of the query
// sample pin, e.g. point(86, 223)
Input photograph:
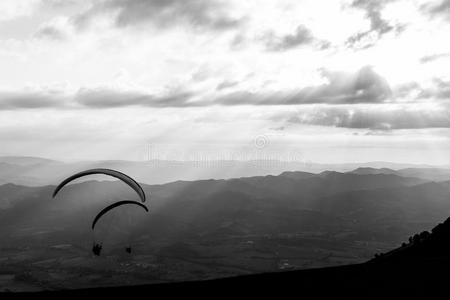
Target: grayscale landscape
point(188, 146)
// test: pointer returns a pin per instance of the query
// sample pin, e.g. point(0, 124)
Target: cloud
point(373, 119)
point(108, 98)
point(411, 90)
point(56, 29)
point(301, 36)
point(279, 128)
point(442, 89)
point(433, 57)
point(378, 25)
point(373, 13)
point(442, 9)
point(226, 85)
point(92, 98)
point(30, 100)
point(438, 89)
point(204, 14)
point(104, 98)
point(363, 86)
point(50, 32)
point(60, 4)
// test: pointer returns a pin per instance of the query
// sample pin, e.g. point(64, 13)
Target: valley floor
point(66, 266)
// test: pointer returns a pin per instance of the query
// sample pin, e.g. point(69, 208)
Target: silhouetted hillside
point(434, 244)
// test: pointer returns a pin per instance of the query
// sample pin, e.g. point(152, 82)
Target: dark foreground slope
point(419, 268)
point(418, 277)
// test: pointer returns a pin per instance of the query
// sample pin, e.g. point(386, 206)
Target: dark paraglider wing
point(114, 205)
point(119, 175)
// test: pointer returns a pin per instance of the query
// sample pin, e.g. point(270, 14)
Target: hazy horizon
point(205, 159)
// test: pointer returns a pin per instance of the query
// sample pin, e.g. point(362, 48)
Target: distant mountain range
point(248, 204)
point(34, 171)
point(215, 228)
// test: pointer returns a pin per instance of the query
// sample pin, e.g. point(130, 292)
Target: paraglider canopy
point(114, 205)
point(119, 175)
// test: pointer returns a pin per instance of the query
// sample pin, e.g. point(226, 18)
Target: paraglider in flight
point(114, 205)
point(119, 175)
point(97, 247)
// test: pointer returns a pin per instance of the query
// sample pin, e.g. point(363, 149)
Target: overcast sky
point(331, 81)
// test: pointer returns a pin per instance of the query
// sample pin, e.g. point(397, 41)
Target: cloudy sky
point(331, 81)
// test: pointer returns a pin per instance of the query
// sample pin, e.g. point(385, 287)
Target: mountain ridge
point(36, 171)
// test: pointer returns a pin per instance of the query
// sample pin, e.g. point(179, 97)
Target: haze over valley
point(213, 228)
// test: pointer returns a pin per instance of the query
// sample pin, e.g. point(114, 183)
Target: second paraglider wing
point(114, 205)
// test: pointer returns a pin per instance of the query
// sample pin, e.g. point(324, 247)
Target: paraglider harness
point(96, 249)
